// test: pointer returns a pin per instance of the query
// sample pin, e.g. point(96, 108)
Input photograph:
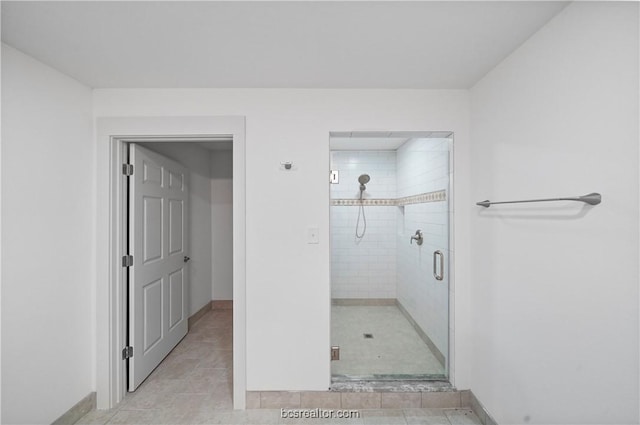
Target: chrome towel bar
point(591, 199)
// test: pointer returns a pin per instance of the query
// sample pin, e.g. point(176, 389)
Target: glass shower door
point(390, 287)
point(423, 250)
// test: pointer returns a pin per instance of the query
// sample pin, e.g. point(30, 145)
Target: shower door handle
point(435, 266)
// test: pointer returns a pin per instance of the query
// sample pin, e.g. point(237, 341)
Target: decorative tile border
point(422, 198)
point(366, 202)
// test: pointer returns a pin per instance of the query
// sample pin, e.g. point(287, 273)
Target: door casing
point(113, 134)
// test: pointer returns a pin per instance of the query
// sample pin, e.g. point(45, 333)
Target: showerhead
point(363, 179)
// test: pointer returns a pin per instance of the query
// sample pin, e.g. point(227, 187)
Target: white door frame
point(112, 134)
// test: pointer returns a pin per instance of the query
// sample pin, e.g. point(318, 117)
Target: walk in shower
point(390, 214)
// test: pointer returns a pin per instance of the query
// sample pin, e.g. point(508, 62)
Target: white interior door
point(158, 214)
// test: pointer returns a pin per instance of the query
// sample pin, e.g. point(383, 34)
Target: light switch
point(312, 234)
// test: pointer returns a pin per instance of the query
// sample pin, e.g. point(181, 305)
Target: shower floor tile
point(394, 349)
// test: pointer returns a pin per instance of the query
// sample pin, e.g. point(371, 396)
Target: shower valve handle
point(417, 237)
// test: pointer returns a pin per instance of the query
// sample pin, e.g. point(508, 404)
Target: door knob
point(186, 259)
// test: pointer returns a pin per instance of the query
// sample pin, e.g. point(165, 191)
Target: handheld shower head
point(363, 179)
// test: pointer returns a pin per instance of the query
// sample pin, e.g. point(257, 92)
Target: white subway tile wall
point(363, 268)
point(423, 166)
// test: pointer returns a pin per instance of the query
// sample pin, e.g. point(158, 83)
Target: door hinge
point(127, 352)
point(127, 260)
point(127, 169)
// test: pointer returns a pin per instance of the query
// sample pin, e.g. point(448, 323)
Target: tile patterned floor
point(395, 349)
point(193, 385)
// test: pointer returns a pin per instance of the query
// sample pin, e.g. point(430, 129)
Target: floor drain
point(369, 336)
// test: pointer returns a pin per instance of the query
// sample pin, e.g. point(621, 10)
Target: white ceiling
point(291, 44)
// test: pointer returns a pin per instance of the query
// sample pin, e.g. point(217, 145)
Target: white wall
point(48, 183)
point(555, 286)
point(222, 225)
point(423, 166)
point(196, 159)
point(288, 289)
point(363, 267)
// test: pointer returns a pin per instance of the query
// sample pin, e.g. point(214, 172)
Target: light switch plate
point(312, 234)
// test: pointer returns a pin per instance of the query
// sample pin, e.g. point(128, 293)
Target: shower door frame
point(450, 263)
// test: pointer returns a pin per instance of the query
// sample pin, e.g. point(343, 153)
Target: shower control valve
point(417, 237)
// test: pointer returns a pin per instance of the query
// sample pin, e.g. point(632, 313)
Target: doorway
point(390, 258)
point(197, 179)
point(113, 135)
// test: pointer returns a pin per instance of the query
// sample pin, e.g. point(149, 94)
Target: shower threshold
point(389, 377)
point(391, 386)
